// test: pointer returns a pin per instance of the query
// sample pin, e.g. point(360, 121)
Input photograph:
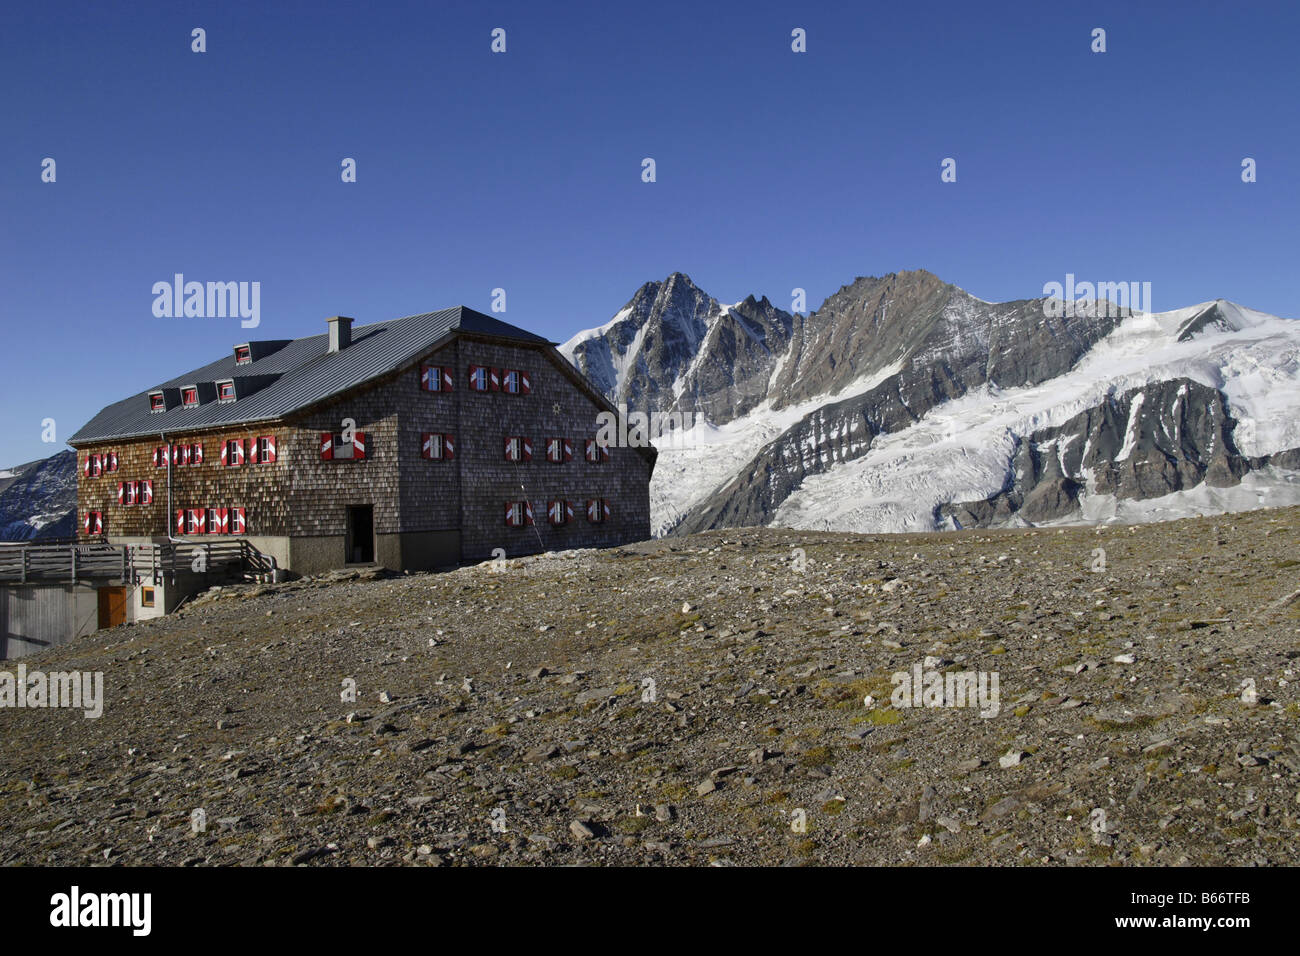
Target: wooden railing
point(129, 563)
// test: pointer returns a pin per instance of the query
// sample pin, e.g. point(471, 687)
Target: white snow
point(569, 347)
point(962, 450)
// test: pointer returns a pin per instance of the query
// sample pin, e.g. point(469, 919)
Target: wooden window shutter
point(121, 492)
point(180, 522)
point(448, 447)
point(326, 446)
point(359, 446)
point(446, 379)
point(525, 383)
point(494, 379)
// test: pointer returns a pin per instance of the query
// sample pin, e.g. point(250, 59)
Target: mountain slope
point(905, 403)
point(39, 499)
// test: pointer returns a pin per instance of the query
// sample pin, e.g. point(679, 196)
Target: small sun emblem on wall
point(556, 408)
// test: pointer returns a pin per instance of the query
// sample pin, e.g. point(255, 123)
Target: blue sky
point(522, 170)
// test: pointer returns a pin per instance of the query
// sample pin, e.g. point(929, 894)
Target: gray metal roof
point(306, 373)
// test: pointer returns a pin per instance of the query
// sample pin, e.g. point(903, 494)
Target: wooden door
point(112, 606)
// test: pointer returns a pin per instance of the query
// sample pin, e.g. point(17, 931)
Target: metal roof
point(306, 373)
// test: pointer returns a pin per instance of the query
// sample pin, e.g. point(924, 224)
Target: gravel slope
point(510, 698)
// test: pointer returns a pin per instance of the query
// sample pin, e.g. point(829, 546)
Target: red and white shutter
point(196, 456)
point(473, 378)
point(525, 383)
point(200, 519)
point(427, 372)
point(589, 448)
point(225, 453)
point(528, 449)
point(494, 379)
point(237, 522)
point(270, 449)
point(604, 509)
point(448, 447)
point(426, 444)
point(146, 491)
point(85, 523)
point(112, 461)
point(98, 524)
point(568, 450)
point(510, 513)
point(326, 446)
point(241, 451)
point(446, 379)
point(121, 493)
point(156, 457)
point(254, 450)
point(223, 518)
point(180, 522)
point(85, 469)
point(568, 510)
point(604, 452)
point(528, 512)
point(509, 443)
point(358, 446)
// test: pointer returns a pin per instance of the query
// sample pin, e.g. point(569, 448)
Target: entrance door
point(360, 541)
point(112, 607)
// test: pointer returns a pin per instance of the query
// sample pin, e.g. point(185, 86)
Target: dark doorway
point(360, 542)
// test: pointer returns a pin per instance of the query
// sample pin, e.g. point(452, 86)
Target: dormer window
point(225, 391)
point(189, 396)
point(156, 402)
point(243, 355)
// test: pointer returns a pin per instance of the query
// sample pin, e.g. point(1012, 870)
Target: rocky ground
point(504, 713)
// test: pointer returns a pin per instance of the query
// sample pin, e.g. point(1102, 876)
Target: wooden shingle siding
point(302, 496)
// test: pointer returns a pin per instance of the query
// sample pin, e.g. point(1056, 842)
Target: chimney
point(340, 332)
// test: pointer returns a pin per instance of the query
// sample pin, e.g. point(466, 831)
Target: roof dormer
point(164, 399)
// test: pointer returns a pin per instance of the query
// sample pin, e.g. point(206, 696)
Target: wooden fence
point(128, 563)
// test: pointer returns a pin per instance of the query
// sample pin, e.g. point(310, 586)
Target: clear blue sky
point(523, 170)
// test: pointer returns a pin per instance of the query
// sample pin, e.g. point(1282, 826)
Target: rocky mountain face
point(1102, 403)
point(673, 348)
point(39, 499)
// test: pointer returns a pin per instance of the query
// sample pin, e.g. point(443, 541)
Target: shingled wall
point(304, 498)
